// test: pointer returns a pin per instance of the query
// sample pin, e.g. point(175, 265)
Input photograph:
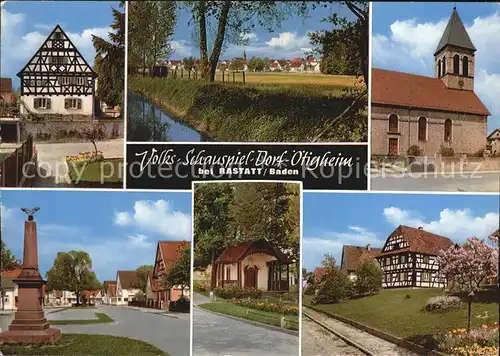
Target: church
point(436, 114)
point(58, 80)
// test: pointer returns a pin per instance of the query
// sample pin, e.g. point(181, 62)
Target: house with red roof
point(431, 112)
point(126, 287)
point(109, 292)
point(167, 254)
point(353, 256)
point(252, 264)
point(409, 258)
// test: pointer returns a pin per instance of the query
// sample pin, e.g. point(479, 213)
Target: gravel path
point(376, 345)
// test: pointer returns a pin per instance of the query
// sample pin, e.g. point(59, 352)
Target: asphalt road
point(465, 182)
point(168, 333)
point(215, 335)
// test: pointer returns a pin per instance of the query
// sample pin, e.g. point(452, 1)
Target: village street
point(313, 344)
point(466, 182)
point(52, 157)
point(215, 335)
point(168, 332)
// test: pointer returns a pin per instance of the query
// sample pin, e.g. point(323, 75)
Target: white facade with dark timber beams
point(409, 259)
point(58, 79)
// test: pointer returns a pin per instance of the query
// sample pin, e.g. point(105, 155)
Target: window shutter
point(48, 103)
point(66, 103)
point(36, 103)
point(79, 103)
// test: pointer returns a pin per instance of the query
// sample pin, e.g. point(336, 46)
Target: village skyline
point(368, 219)
point(119, 232)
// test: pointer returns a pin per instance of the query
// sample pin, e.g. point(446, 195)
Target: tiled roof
point(319, 272)
point(5, 85)
point(418, 91)
point(352, 256)
point(455, 34)
point(421, 241)
point(238, 252)
point(128, 279)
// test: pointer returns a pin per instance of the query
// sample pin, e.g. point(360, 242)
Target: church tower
point(454, 56)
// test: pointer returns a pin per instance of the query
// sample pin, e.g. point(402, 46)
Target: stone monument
point(29, 325)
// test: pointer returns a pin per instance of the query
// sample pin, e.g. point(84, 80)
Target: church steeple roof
point(455, 34)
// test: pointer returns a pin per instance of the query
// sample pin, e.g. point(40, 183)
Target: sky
point(333, 220)
point(26, 24)
point(288, 41)
point(119, 230)
point(405, 36)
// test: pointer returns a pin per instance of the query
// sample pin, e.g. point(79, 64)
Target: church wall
point(468, 131)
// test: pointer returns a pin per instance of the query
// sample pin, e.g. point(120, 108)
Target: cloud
point(314, 247)
point(140, 241)
point(26, 43)
point(458, 225)
point(182, 48)
point(411, 44)
point(157, 217)
point(250, 36)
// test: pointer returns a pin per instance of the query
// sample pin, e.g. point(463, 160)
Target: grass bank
point(101, 319)
point(83, 344)
point(400, 312)
point(274, 319)
point(108, 171)
point(256, 112)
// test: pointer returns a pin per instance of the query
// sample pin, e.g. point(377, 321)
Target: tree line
point(226, 214)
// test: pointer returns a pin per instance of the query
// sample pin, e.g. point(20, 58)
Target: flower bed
point(479, 341)
point(235, 292)
point(88, 157)
point(280, 308)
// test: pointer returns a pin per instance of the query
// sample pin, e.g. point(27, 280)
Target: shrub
point(443, 303)
point(280, 308)
point(201, 286)
point(310, 289)
point(235, 292)
point(446, 151)
point(334, 287)
point(414, 150)
point(369, 277)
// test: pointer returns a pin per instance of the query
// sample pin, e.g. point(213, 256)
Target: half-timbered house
point(58, 79)
point(253, 264)
point(353, 256)
point(409, 258)
point(167, 254)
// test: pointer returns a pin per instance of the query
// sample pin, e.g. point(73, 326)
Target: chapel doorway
point(251, 277)
point(393, 147)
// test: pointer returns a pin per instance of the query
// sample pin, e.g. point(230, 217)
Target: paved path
point(215, 335)
point(52, 158)
point(165, 332)
point(466, 182)
point(376, 345)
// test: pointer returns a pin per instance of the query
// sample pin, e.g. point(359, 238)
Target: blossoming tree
point(466, 267)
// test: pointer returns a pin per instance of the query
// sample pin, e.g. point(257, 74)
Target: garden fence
point(12, 168)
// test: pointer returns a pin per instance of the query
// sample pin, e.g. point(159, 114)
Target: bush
point(310, 289)
point(443, 303)
point(334, 287)
point(280, 308)
point(201, 286)
point(369, 277)
point(446, 151)
point(236, 292)
point(414, 150)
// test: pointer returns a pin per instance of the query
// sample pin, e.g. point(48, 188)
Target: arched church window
point(444, 65)
point(456, 64)
point(447, 130)
point(422, 129)
point(393, 123)
point(465, 66)
point(439, 68)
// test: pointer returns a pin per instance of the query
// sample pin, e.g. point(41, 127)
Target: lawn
point(268, 318)
point(101, 318)
point(83, 344)
point(58, 310)
point(106, 171)
point(394, 312)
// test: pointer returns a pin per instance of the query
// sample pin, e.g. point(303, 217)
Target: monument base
point(47, 336)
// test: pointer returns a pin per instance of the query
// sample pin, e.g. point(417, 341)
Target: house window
point(403, 258)
point(465, 66)
point(387, 261)
point(58, 60)
point(447, 130)
point(228, 273)
point(456, 64)
point(444, 65)
point(439, 69)
point(125, 299)
point(426, 259)
point(41, 103)
point(402, 277)
point(73, 103)
point(422, 129)
point(393, 123)
point(57, 35)
point(425, 277)
point(72, 80)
